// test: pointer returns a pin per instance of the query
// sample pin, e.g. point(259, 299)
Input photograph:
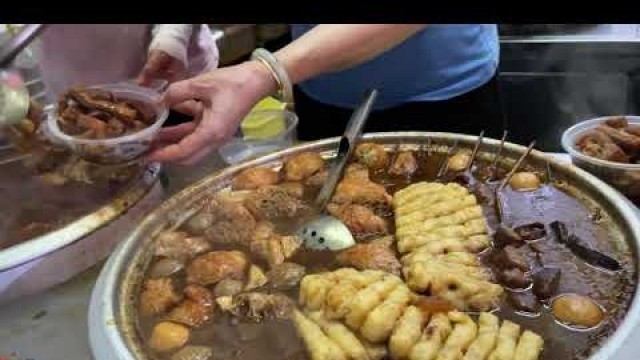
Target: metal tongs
point(324, 231)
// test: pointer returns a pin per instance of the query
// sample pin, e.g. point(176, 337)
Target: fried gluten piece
point(373, 310)
point(440, 227)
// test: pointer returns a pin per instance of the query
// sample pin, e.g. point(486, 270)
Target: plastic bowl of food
point(624, 173)
point(127, 147)
point(261, 132)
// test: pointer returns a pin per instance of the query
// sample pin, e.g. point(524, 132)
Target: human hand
point(160, 65)
point(218, 101)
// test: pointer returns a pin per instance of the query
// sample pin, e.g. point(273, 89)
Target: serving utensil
point(323, 231)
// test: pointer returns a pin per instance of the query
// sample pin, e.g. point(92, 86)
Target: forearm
point(333, 47)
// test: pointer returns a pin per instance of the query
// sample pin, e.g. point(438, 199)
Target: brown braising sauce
point(275, 340)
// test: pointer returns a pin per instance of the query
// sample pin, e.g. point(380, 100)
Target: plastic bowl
point(624, 177)
point(245, 146)
point(117, 150)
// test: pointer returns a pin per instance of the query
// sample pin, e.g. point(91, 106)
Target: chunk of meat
point(598, 144)
point(618, 122)
point(506, 236)
point(626, 141)
point(273, 202)
point(92, 100)
point(357, 171)
point(302, 166)
point(257, 306)
point(254, 178)
point(215, 266)
point(363, 192)
point(318, 179)
point(271, 246)
point(179, 245)
point(509, 258)
point(374, 156)
point(376, 256)
point(524, 301)
point(294, 189)
point(514, 278)
point(359, 219)
point(286, 276)
point(157, 296)
point(532, 231)
point(405, 164)
point(224, 222)
point(546, 282)
point(196, 309)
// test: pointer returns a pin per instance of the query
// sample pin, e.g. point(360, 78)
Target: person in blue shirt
point(429, 77)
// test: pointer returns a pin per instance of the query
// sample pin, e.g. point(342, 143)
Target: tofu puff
point(440, 228)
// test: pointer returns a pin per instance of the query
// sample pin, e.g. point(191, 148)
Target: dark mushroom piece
point(524, 302)
point(514, 279)
point(510, 258)
point(590, 256)
point(546, 282)
point(533, 231)
point(505, 235)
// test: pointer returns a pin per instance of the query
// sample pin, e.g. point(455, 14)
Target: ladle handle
point(347, 145)
point(18, 42)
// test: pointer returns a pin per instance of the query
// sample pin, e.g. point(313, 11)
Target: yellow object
point(265, 120)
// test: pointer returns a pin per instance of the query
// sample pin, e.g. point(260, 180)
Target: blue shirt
point(438, 63)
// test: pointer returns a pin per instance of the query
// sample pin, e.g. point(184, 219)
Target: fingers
point(180, 92)
point(159, 65)
point(191, 107)
point(175, 133)
point(210, 133)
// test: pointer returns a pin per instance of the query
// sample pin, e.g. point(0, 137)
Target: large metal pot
point(42, 262)
point(112, 329)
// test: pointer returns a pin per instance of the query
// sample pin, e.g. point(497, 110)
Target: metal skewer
point(475, 150)
point(496, 158)
point(515, 167)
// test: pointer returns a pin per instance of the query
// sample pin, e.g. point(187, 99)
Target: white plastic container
point(115, 150)
point(624, 177)
point(240, 148)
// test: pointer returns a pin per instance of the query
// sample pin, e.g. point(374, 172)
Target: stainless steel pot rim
point(43, 245)
point(107, 309)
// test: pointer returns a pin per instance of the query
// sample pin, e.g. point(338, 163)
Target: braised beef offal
point(613, 140)
point(98, 114)
point(51, 188)
point(435, 273)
